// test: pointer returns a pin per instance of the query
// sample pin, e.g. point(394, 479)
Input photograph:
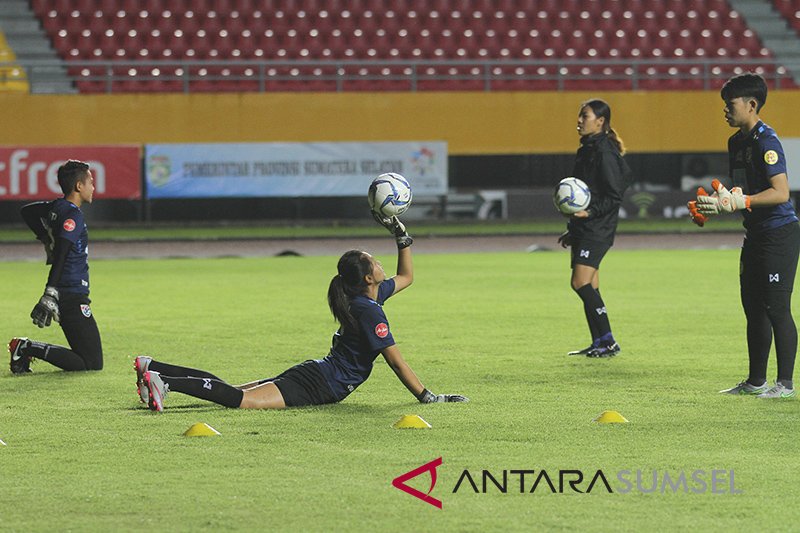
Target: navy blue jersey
point(66, 222)
point(754, 158)
point(350, 360)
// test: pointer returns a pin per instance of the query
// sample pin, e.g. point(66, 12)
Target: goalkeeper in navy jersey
point(768, 260)
point(60, 226)
point(355, 296)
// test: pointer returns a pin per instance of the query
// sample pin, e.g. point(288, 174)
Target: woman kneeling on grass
point(355, 297)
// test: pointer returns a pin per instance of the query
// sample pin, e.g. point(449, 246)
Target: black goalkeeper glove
point(396, 228)
point(427, 396)
point(47, 309)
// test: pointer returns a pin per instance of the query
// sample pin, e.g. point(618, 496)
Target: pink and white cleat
point(141, 364)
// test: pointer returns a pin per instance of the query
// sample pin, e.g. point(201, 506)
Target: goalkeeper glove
point(47, 309)
point(427, 396)
point(730, 201)
point(697, 217)
point(565, 239)
point(725, 202)
point(707, 205)
point(396, 228)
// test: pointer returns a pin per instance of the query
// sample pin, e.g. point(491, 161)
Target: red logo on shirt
point(381, 330)
point(69, 224)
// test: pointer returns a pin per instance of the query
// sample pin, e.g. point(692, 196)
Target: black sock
point(595, 311)
point(759, 337)
point(179, 371)
point(779, 311)
point(63, 358)
point(587, 310)
point(213, 390)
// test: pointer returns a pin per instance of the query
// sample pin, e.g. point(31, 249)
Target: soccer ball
point(389, 194)
point(571, 195)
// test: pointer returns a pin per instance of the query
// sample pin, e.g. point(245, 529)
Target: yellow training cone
point(200, 430)
point(411, 422)
point(611, 417)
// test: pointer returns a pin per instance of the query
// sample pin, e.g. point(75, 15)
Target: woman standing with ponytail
point(590, 233)
point(355, 295)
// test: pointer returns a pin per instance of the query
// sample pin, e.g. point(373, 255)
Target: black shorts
point(588, 253)
point(302, 385)
point(80, 329)
point(768, 261)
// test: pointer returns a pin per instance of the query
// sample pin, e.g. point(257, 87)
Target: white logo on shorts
point(585, 253)
point(86, 310)
point(207, 383)
point(601, 311)
point(775, 278)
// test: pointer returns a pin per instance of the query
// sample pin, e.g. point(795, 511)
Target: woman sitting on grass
point(355, 297)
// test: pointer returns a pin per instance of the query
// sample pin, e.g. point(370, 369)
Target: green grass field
point(83, 454)
point(284, 230)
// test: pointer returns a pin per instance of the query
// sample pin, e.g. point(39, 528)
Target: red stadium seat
point(375, 30)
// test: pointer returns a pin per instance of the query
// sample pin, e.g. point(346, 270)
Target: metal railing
point(403, 75)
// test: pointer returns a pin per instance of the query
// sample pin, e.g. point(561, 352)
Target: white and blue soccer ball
point(572, 195)
point(389, 194)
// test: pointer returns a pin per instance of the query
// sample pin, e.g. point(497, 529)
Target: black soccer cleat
point(604, 350)
point(20, 364)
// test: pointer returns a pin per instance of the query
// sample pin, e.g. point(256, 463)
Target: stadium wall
point(471, 123)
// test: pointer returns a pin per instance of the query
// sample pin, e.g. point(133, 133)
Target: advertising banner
point(290, 169)
point(29, 172)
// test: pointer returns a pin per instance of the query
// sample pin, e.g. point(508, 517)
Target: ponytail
point(353, 268)
point(339, 303)
point(617, 140)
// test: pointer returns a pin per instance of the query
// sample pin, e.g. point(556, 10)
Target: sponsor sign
point(30, 172)
point(290, 169)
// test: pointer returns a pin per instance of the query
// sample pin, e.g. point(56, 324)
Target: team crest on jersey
point(771, 157)
point(381, 330)
point(86, 310)
point(69, 225)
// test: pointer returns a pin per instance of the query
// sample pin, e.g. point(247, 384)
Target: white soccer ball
point(571, 195)
point(389, 194)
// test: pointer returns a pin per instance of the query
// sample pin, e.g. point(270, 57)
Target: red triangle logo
point(400, 482)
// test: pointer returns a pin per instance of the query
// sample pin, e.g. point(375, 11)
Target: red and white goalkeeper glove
point(698, 217)
point(725, 202)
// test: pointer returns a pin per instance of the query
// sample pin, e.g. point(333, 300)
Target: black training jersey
point(66, 222)
point(599, 164)
point(350, 360)
point(754, 158)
